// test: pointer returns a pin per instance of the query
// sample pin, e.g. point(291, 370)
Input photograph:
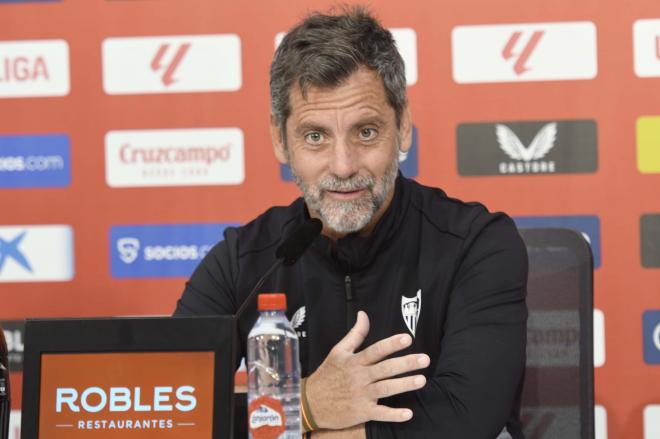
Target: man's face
point(342, 146)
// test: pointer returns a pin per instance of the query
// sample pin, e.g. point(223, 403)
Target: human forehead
point(360, 96)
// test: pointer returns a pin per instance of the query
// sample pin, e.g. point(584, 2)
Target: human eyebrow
point(306, 127)
point(374, 120)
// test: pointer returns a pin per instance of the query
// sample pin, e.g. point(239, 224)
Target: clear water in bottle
point(273, 373)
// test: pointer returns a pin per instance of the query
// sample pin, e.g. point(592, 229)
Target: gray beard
point(351, 215)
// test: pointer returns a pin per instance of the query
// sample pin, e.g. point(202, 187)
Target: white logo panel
point(172, 64)
point(524, 52)
point(36, 253)
point(652, 421)
point(406, 43)
point(34, 68)
point(175, 157)
point(15, 424)
point(599, 338)
point(600, 422)
point(646, 37)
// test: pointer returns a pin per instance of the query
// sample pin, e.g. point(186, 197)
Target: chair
point(558, 393)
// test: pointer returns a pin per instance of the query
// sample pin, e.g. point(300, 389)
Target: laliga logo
point(120, 399)
point(129, 249)
point(170, 68)
point(520, 66)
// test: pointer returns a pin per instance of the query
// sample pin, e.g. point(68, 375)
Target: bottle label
point(266, 418)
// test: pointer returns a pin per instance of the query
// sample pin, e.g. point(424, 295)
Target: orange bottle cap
point(272, 302)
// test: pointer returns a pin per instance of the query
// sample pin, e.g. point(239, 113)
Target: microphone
point(287, 254)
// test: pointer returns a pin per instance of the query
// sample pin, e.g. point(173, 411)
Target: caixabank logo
point(36, 253)
point(524, 52)
point(172, 64)
point(145, 251)
point(128, 395)
point(651, 335)
point(408, 162)
point(174, 157)
point(587, 225)
point(527, 148)
point(34, 68)
point(35, 161)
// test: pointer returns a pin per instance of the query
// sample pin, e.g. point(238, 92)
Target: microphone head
point(298, 242)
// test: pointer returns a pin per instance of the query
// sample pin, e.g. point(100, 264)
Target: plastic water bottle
point(273, 373)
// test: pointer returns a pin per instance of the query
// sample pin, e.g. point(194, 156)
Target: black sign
point(14, 335)
point(650, 239)
point(527, 148)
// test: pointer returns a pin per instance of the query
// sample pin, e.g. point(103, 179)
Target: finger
point(377, 351)
point(384, 413)
point(396, 366)
point(394, 386)
point(356, 335)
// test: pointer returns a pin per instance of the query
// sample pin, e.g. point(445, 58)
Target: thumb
point(353, 340)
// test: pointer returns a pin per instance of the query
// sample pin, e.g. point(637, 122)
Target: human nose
point(344, 161)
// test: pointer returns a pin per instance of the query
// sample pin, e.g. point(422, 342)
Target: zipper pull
point(348, 288)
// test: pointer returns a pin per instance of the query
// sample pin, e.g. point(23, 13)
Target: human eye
point(368, 133)
point(314, 138)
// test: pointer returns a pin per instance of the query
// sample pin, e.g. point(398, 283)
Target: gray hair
point(324, 50)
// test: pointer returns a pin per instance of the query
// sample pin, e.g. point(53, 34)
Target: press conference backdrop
point(133, 132)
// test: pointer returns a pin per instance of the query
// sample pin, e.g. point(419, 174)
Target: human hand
point(356, 432)
point(345, 389)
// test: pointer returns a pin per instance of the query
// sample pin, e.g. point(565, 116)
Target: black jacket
point(469, 267)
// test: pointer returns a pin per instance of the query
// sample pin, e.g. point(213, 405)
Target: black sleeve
point(211, 288)
point(475, 383)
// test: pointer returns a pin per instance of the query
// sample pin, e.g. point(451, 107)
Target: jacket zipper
point(348, 288)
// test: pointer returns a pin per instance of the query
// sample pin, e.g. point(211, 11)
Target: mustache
point(354, 183)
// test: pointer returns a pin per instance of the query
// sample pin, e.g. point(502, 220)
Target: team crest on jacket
point(297, 320)
point(410, 309)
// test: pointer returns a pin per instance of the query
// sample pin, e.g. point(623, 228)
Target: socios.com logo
point(35, 161)
point(161, 250)
point(651, 329)
point(408, 162)
point(588, 225)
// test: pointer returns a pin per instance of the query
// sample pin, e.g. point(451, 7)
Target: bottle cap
point(272, 302)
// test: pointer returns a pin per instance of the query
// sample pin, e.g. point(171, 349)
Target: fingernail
point(405, 340)
point(423, 360)
point(407, 415)
point(420, 380)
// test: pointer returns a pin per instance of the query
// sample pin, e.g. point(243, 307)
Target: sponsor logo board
point(34, 68)
point(36, 253)
point(172, 64)
point(527, 148)
point(587, 225)
point(599, 338)
point(646, 47)
point(651, 336)
point(145, 251)
point(652, 421)
point(406, 42)
point(650, 240)
point(524, 52)
point(35, 161)
point(175, 157)
point(146, 395)
point(648, 144)
point(14, 331)
point(408, 162)
point(600, 422)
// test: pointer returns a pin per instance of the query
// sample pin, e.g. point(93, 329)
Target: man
point(438, 347)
